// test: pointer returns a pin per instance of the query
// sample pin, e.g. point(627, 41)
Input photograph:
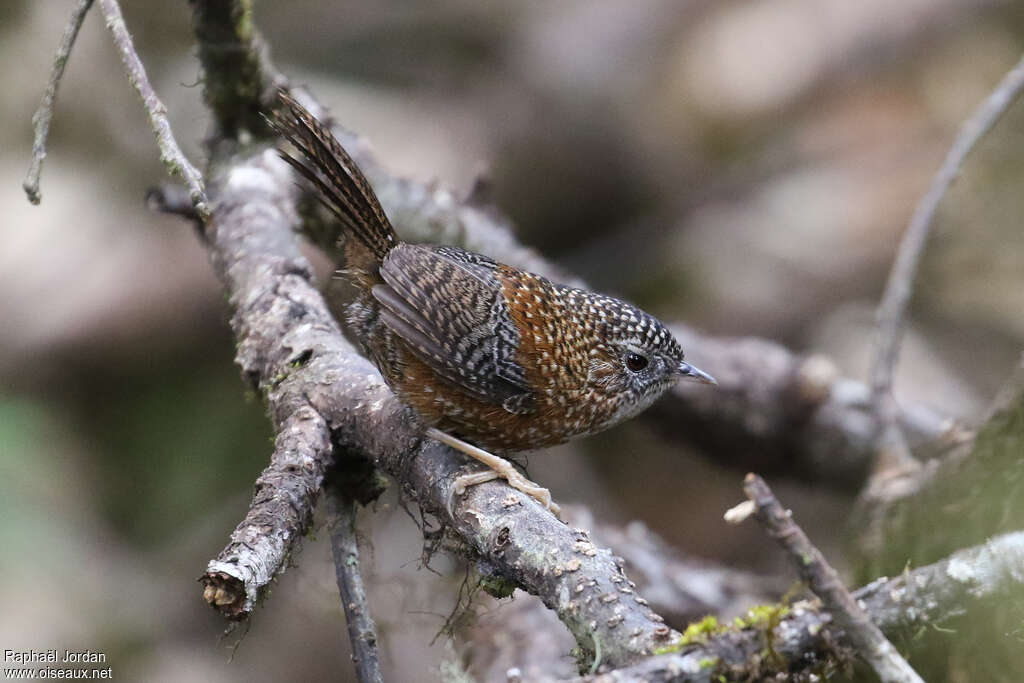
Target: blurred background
point(746, 167)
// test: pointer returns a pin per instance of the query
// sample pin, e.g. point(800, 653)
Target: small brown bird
point(488, 356)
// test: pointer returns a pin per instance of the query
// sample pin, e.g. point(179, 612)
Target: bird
point(492, 360)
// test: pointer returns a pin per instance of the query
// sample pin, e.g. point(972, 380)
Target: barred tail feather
point(340, 185)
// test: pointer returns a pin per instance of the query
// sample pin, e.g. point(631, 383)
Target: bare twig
point(362, 632)
point(866, 637)
point(170, 153)
point(41, 119)
point(898, 289)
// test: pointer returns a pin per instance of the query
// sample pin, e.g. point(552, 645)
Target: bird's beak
point(695, 374)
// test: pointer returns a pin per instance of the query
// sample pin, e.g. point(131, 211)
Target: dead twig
point(170, 153)
point(362, 632)
point(867, 639)
point(44, 114)
point(893, 451)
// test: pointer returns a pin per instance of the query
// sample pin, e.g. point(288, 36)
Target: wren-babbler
point(488, 356)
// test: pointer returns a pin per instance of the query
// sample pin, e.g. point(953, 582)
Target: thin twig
point(898, 289)
point(822, 579)
point(362, 632)
point(41, 119)
point(900, 285)
point(170, 152)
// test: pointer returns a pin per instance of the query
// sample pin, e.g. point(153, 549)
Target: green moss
point(699, 631)
point(497, 586)
point(696, 633)
point(244, 26)
point(762, 617)
point(708, 662)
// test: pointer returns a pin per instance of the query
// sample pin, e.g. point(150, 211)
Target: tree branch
point(778, 412)
point(523, 636)
point(282, 328)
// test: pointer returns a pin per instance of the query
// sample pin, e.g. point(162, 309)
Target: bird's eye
point(636, 362)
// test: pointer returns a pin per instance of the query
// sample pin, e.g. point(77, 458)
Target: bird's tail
point(340, 185)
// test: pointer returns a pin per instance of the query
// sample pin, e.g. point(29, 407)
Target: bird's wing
point(446, 305)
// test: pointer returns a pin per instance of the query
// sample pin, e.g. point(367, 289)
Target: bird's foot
point(499, 469)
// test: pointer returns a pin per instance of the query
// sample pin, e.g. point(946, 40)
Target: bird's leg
point(500, 468)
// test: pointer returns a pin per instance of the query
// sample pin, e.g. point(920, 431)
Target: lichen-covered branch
point(280, 325)
point(804, 639)
point(236, 80)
